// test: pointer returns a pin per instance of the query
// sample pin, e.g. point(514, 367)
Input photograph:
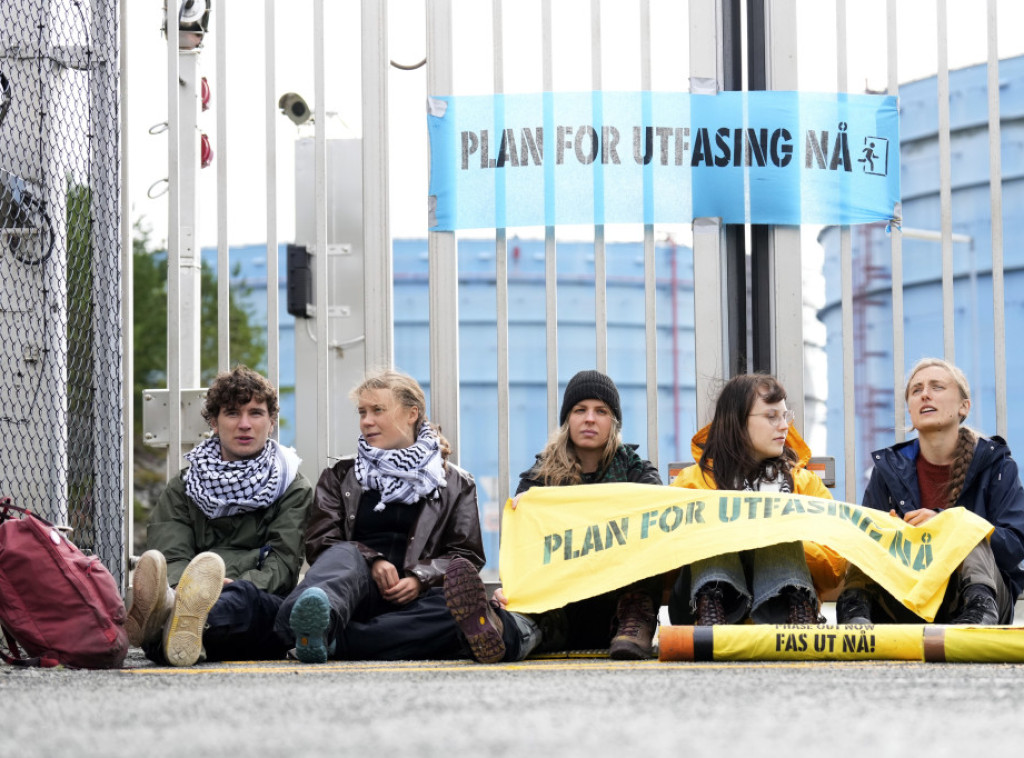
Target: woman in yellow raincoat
point(751, 445)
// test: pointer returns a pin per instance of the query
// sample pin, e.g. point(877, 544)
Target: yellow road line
point(360, 667)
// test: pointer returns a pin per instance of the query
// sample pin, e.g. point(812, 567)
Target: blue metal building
point(922, 268)
point(528, 427)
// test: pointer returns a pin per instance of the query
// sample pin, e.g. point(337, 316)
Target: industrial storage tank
point(922, 267)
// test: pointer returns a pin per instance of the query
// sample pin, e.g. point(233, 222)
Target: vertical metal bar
point(174, 459)
point(650, 268)
point(600, 257)
point(763, 321)
point(223, 249)
point(995, 180)
point(189, 257)
point(377, 267)
point(270, 116)
point(786, 298)
point(896, 248)
point(945, 185)
point(127, 306)
point(846, 271)
point(708, 260)
point(443, 264)
point(501, 280)
point(320, 292)
point(735, 244)
point(550, 248)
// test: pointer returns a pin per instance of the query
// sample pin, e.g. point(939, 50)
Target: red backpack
point(60, 605)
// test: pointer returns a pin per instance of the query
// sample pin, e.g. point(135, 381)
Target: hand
point(384, 575)
point(403, 591)
point(499, 597)
point(918, 517)
point(227, 581)
point(515, 500)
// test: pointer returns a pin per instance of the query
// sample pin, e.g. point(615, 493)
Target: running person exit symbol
point(875, 156)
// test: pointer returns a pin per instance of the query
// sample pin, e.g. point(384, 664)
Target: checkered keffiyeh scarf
point(405, 475)
point(225, 488)
point(772, 479)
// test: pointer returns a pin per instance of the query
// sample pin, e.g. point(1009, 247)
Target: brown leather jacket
point(448, 526)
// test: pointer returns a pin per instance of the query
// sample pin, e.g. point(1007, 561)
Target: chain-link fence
point(60, 268)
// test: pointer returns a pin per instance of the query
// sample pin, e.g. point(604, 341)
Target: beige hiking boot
point(151, 600)
point(197, 591)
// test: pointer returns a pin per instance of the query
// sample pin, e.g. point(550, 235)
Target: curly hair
point(408, 393)
point(233, 389)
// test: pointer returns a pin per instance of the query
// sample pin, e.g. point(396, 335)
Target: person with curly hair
point(225, 537)
point(946, 465)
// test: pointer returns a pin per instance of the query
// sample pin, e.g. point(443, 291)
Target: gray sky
point(244, 147)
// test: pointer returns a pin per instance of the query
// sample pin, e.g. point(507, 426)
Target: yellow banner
point(563, 544)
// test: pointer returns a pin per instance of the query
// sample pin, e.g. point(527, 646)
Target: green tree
point(248, 343)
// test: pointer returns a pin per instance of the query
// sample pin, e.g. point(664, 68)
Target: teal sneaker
point(310, 619)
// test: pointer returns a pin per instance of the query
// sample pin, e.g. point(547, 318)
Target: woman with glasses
point(749, 445)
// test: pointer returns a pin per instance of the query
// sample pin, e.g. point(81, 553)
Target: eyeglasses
point(774, 417)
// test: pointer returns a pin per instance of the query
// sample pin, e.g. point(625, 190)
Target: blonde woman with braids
point(947, 465)
point(383, 528)
point(586, 448)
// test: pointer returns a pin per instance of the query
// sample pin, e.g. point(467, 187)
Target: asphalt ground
point(571, 706)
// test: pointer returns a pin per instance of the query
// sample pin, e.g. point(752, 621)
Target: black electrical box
point(300, 282)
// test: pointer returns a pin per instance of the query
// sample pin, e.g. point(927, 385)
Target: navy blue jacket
point(992, 489)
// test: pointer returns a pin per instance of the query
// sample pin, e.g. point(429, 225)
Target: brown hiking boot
point(710, 611)
point(636, 624)
point(802, 609)
point(466, 598)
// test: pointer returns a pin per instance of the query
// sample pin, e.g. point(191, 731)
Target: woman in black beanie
point(586, 448)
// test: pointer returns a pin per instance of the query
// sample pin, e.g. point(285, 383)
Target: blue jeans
point(753, 581)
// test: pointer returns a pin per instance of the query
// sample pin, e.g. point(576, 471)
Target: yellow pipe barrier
point(892, 642)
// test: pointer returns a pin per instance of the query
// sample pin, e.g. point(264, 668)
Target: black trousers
point(363, 625)
point(239, 627)
point(979, 567)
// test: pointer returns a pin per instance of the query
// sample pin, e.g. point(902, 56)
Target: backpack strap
point(7, 505)
point(14, 657)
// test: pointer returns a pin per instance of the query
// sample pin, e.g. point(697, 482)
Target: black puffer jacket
point(448, 525)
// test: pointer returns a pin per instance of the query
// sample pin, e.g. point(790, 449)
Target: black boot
point(979, 607)
point(854, 607)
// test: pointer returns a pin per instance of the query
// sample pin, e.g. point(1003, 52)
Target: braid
point(961, 462)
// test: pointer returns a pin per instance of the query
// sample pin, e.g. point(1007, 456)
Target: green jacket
point(179, 530)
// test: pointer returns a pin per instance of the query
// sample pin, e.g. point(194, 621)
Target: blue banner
point(658, 157)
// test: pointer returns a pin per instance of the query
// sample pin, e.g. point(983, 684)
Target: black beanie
point(590, 385)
